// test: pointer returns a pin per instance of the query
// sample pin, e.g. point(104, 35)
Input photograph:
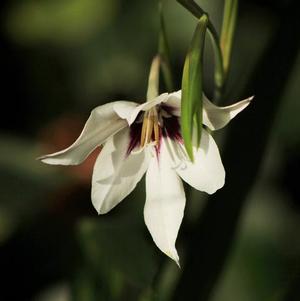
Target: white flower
point(145, 138)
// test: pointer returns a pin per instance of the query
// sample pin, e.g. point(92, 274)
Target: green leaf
point(114, 246)
point(191, 102)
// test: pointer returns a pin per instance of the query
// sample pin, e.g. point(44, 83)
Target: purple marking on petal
point(169, 109)
point(172, 128)
point(158, 147)
point(134, 137)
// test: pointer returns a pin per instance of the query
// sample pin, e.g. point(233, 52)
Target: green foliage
point(59, 22)
point(117, 252)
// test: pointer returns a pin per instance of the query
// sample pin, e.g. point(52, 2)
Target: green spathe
point(191, 106)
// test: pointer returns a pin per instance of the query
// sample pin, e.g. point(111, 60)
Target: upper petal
point(115, 173)
point(213, 116)
point(102, 123)
point(207, 172)
point(165, 202)
point(217, 117)
point(125, 109)
point(145, 107)
point(174, 101)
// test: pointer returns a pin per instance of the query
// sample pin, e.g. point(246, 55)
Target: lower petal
point(207, 172)
point(165, 202)
point(115, 173)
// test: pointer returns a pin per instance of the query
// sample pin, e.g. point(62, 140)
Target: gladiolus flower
point(146, 138)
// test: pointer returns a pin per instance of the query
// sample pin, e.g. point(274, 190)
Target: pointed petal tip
point(178, 263)
point(213, 191)
point(217, 187)
point(45, 159)
point(99, 209)
point(40, 158)
point(249, 99)
point(53, 160)
point(174, 256)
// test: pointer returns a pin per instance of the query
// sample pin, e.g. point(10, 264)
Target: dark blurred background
point(60, 59)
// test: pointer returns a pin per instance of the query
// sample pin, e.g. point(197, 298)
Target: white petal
point(165, 202)
point(125, 109)
point(146, 106)
point(213, 116)
point(217, 117)
point(207, 172)
point(102, 123)
point(115, 173)
point(174, 101)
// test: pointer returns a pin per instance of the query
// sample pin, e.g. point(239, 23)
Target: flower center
point(150, 128)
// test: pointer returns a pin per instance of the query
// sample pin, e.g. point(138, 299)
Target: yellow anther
point(149, 128)
point(150, 125)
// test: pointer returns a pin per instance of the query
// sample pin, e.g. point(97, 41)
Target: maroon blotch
point(134, 136)
point(172, 128)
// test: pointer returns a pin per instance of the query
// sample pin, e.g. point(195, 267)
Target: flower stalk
point(219, 78)
point(227, 32)
point(164, 51)
point(153, 81)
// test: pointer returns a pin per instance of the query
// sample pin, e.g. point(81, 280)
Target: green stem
point(197, 11)
point(227, 32)
point(164, 52)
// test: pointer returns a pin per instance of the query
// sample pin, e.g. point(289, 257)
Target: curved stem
point(227, 32)
point(197, 11)
point(164, 52)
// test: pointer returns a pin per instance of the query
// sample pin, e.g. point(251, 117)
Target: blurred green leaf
point(191, 102)
point(59, 21)
point(84, 287)
point(117, 247)
point(24, 180)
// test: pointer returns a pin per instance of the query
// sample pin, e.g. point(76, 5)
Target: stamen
point(156, 131)
point(144, 130)
point(149, 128)
point(150, 125)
